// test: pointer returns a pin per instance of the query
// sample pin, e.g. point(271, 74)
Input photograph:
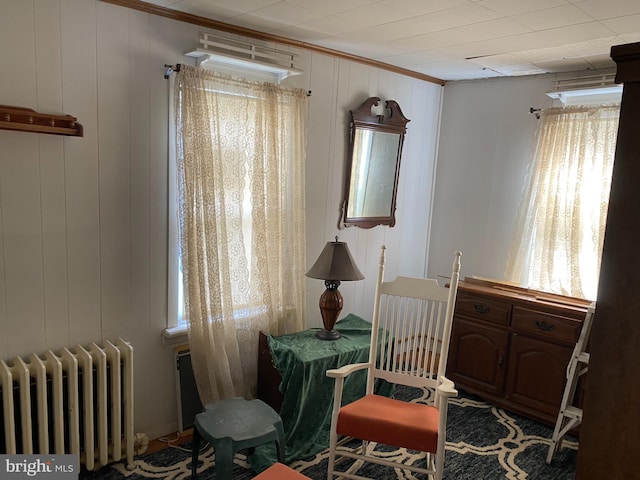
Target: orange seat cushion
point(278, 471)
point(392, 422)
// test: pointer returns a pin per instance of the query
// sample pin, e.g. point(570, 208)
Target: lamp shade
point(335, 263)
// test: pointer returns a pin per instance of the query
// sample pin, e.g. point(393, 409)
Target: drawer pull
point(480, 308)
point(545, 326)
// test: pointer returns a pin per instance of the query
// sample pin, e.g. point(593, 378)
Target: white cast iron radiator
point(79, 401)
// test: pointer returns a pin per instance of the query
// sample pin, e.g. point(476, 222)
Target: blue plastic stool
point(235, 424)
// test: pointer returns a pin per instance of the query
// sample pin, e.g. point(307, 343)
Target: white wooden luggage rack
point(570, 416)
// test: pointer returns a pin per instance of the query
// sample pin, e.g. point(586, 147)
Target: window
point(235, 186)
point(558, 239)
point(178, 319)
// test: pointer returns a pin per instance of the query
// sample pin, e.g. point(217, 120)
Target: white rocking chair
point(413, 317)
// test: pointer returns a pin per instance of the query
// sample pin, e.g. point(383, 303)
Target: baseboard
point(176, 438)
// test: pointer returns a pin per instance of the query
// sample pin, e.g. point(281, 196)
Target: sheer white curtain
point(560, 231)
point(241, 153)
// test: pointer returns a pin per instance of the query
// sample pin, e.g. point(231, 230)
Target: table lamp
point(335, 264)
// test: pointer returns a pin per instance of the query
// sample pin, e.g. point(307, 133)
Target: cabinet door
point(477, 356)
point(537, 372)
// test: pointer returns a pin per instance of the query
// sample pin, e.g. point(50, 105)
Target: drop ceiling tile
point(207, 10)
point(419, 7)
point(376, 34)
point(601, 10)
point(542, 55)
point(329, 7)
point(329, 25)
point(419, 58)
point(299, 32)
point(600, 61)
point(577, 33)
point(475, 49)
point(512, 43)
point(244, 5)
point(628, 24)
point(254, 22)
point(455, 70)
point(516, 7)
point(630, 37)
point(553, 17)
point(520, 69)
point(593, 47)
point(575, 64)
point(215, 6)
point(456, 17)
point(494, 61)
point(285, 13)
point(458, 36)
point(419, 42)
point(509, 64)
point(389, 31)
point(493, 29)
point(355, 48)
point(370, 15)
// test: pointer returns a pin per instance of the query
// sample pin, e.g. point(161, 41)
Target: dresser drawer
point(546, 325)
point(482, 308)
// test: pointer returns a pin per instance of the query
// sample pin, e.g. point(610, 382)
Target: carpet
point(483, 443)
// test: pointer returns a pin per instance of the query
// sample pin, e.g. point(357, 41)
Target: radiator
point(78, 401)
point(189, 404)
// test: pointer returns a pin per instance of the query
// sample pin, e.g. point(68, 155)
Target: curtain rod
point(170, 69)
point(176, 68)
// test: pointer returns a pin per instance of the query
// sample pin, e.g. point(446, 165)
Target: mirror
point(373, 163)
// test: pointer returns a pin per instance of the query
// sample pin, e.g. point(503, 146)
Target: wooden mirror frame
point(391, 121)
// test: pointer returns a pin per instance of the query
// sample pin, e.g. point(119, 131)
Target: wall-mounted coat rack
point(28, 120)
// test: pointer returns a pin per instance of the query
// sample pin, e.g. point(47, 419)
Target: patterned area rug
point(483, 443)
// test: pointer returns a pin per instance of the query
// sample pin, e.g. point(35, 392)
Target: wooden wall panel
point(320, 148)
point(141, 69)
point(114, 166)
point(22, 242)
point(79, 94)
point(54, 240)
point(419, 161)
point(52, 175)
point(17, 18)
point(20, 194)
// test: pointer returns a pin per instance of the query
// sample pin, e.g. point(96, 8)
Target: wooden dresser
point(512, 346)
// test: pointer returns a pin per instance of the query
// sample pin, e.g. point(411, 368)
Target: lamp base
point(328, 334)
point(330, 308)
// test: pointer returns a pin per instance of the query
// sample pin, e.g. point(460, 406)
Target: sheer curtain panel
point(560, 231)
point(240, 152)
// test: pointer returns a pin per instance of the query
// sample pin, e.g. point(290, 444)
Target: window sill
point(175, 335)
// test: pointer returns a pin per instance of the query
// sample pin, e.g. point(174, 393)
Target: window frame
point(176, 329)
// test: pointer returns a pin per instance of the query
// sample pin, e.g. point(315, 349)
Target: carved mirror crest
point(376, 135)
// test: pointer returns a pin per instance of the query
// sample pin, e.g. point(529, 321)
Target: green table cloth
point(302, 361)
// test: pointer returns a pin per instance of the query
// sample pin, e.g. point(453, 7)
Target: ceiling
point(445, 39)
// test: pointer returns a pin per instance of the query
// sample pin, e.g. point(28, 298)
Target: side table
point(294, 383)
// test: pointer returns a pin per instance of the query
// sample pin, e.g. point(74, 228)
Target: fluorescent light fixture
point(240, 55)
